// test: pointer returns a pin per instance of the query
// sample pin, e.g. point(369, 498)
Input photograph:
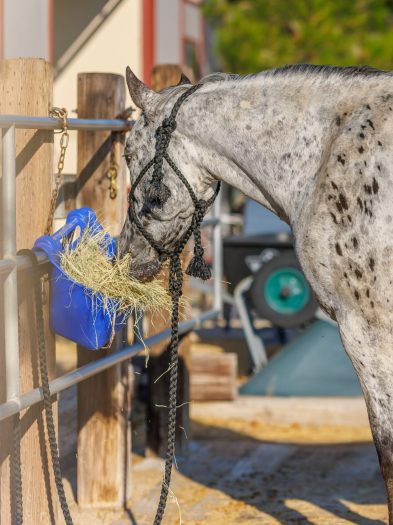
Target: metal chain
point(60, 113)
point(113, 172)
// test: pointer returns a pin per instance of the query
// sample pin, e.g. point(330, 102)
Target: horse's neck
point(267, 142)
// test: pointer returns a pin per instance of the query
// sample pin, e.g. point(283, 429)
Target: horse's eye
point(128, 158)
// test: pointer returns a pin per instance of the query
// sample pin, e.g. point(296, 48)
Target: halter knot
point(198, 267)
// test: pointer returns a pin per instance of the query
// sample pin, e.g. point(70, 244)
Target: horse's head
point(165, 222)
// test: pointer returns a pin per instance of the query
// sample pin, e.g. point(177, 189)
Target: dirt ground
point(255, 461)
point(246, 471)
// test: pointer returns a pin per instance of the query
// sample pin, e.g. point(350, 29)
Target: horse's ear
point(184, 80)
point(143, 97)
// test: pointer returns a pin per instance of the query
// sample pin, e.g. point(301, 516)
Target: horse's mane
point(296, 69)
point(308, 70)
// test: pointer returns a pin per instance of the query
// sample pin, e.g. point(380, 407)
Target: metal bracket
point(254, 342)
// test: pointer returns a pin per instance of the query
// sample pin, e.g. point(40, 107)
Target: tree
point(251, 35)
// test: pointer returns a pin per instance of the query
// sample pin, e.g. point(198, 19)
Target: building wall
point(168, 32)
point(113, 42)
point(26, 29)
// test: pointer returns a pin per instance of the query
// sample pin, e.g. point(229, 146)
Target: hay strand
point(108, 281)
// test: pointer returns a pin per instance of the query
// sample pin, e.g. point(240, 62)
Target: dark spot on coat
point(338, 249)
point(361, 149)
point(248, 126)
point(338, 120)
point(346, 275)
point(372, 304)
point(330, 197)
point(333, 217)
point(363, 126)
point(340, 159)
point(360, 203)
point(349, 218)
point(368, 292)
point(358, 274)
point(334, 185)
point(367, 189)
point(375, 186)
point(361, 135)
point(368, 106)
point(378, 167)
point(355, 242)
point(339, 207)
point(370, 123)
point(371, 263)
point(343, 201)
point(357, 295)
point(379, 143)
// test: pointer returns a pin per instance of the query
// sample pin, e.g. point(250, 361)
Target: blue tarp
point(313, 364)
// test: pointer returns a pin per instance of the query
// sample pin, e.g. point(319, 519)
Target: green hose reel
point(281, 293)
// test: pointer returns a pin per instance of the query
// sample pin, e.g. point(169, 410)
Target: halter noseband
point(158, 193)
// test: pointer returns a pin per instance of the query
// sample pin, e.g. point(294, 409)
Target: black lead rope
point(157, 195)
point(50, 425)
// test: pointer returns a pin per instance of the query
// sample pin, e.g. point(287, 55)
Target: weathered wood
point(156, 416)
point(103, 404)
point(101, 95)
point(165, 75)
point(213, 376)
point(26, 89)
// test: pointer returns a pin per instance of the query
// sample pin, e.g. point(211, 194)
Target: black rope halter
point(158, 193)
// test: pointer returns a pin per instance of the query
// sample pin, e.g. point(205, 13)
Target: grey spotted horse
point(314, 144)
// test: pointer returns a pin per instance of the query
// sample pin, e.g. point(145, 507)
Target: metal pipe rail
point(21, 262)
point(11, 264)
point(74, 124)
point(84, 372)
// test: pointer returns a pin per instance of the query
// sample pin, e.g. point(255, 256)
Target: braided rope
point(157, 195)
point(16, 472)
point(45, 386)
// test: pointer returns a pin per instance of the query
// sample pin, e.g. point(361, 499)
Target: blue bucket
point(75, 314)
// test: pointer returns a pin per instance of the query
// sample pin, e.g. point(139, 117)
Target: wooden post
point(157, 417)
point(103, 436)
point(26, 89)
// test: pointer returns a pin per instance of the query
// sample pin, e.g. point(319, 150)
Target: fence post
point(103, 400)
point(157, 418)
point(26, 89)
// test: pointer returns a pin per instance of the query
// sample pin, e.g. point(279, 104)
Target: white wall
point(167, 48)
point(26, 28)
point(114, 45)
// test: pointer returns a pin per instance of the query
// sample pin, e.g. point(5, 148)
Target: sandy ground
point(255, 461)
point(248, 472)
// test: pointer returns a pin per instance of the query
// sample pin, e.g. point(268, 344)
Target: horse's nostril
point(146, 271)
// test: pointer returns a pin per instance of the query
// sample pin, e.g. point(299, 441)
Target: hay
point(108, 281)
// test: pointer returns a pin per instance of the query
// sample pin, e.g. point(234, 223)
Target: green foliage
point(252, 35)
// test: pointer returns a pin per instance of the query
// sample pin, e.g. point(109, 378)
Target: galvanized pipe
point(49, 123)
point(72, 378)
point(22, 262)
point(11, 264)
point(10, 288)
point(217, 257)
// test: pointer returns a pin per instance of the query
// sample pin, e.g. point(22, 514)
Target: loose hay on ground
point(108, 281)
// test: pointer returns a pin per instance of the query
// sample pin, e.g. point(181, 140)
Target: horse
point(313, 144)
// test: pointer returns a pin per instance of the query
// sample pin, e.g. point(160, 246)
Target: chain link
point(113, 171)
point(60, 113)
